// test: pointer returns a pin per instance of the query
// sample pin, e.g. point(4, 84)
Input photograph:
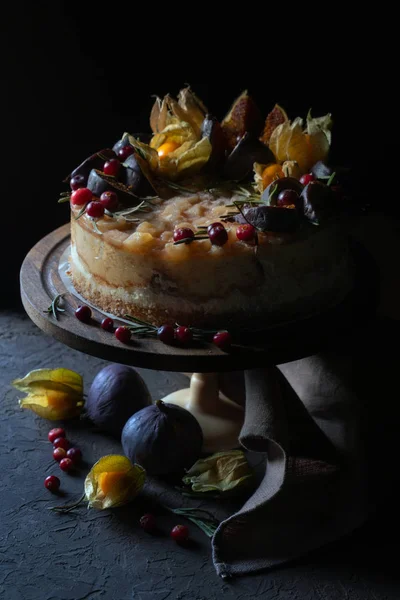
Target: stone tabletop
point(90, 554)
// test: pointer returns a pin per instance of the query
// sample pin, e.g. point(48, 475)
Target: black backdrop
point(75, 79)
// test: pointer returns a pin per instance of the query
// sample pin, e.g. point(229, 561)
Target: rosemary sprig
point(54, 306)
point(81, 212)
point(189, 240)
point(331, 178)
point(64, 197)
point(202, 518)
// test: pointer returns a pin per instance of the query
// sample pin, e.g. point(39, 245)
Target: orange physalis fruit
point(109, 481)
point(243, 116)
point(270, 173)
point(167, 148)
point(274, 118)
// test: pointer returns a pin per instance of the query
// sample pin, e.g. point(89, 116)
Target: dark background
point(75, 78)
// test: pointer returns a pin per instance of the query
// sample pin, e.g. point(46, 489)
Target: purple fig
point(96, 161)
point(239, 163)
point(270, 218)
point(272, 191)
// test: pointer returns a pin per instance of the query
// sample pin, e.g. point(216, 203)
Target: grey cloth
point(308, 421)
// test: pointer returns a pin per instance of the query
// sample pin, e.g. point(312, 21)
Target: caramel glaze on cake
point(135, 268)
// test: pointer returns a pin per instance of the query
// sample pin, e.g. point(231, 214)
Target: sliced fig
point(249, 150)
point(270, 218)
point(211, 128)
point(244, 116)
point(99, 182)
point(132, 176)
point(96, 161)
point(318, 202)
point(272, 191)
point(276, 117)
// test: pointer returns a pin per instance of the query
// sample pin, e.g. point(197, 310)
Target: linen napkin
point(309, 424)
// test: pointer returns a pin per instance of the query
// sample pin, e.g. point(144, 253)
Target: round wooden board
point(40, 282)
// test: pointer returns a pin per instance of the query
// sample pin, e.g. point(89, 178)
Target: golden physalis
point(54, 394)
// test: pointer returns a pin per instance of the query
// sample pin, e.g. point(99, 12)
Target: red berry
point(75, 455)
point(218, 235)
point(79, 181)
point(180, 533)
point(61, 442)
point(223, 340)
point(246, 233)
point(112, 167)
point(213, 225)
point(59, 453)
point(148, 522)
point(52, 483)
point(109, 200)
point(107, 324)
point(166, 334)
point(307, 178)
point(124, 152)
point(81, 196)
point(55, 433)
point(183, 233)
point(123, 334)
point(66, 464)
point(183, 334)
point(95, 209)
point(287, 198)
point(83, 313)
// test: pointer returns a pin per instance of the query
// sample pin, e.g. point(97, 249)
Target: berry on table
point(307, 178)
point(56, 432)
point(218, 234)
point(75, 455)
point(107, 324)
point(223, 340)
point(83, 313)
point(66, 464)
point(81, 196)
point(287, 198)
point(246, 232)
point(52, 483)
point(166, 334)
point(61, 442)
point(148, 522)
point(183, 334)
point(109, 200)
point(123, 334)
point(183, 233)
point(180, 533)
point(112, 167)
point(59, 454)
point(79, 181)
point(95, 209)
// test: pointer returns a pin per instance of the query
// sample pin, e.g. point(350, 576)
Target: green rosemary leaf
point(81, 212)
point(64, 199)
point(96, 227)
point(331, 178)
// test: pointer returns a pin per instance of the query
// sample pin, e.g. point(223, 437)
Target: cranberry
point(183, 233)
point(83, 313)
point(124, 152)
point(123, 334)
point(79, 181)
point(166, 334)
point(307, 178)
point(223, 340)
point(52, 483)
point(107, 324)
point(148, 522)
point(59, 453)
point(61, 442)
point(246, 232)
point(81, 196)
point(183, 334)
point(287, 198)
point(66, 464)
point(112, 167)
point(75, 455)
point(180, 533)
point(55, 433)
point(218, 235)
point(95, 209)
point(109, 200)
point(213, 225)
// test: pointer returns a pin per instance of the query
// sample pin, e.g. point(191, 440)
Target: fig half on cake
point(95, 161)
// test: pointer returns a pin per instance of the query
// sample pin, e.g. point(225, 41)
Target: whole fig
point(117, 392)
point(163, 438)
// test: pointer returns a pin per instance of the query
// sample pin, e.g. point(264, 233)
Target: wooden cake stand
point(216, 392)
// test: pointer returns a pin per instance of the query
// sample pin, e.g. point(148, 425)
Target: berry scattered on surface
point(166, 334)
point(95, 209)
point(112, 167)
point(180, 533)
point(81, 196)
point(148, 522)
point(183, 233)
point(218, 234)
point(52, 483)
point(75, 455)
point(246, 232)
point(79, 181)
point(107, 324)
point(223, 340)
point(61, 442)
point(59, 454)
point(66, 464)
point(307, 178)
point(109, 200)
point(123, 334)
point(56, 432)
point(183, 334)
point(287, 198)
point(83, 313)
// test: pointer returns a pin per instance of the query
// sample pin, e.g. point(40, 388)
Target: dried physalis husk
point(54, 394)
point(113, 481)
point(221, 472)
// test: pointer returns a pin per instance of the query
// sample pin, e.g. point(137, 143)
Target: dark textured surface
point(91, 554)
